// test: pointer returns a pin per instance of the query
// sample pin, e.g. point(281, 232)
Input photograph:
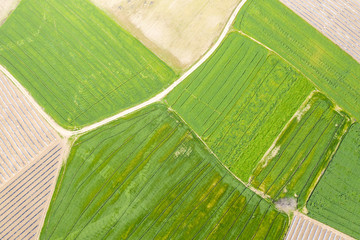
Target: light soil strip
point(24, 200)
point(23, 134)
point(6, 7)
point(303, 227)
point(157, 98)
point(336, 19)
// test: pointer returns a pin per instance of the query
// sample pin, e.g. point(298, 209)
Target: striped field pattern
point(302, 151)
point(305, 228)
point(76, 62)
point(24, 200)
point(149, 177)
point(336, 19)
point(239, 100)
point(24, 135)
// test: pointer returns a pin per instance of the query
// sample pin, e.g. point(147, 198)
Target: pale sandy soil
point(339, 20)
point(24, 134)
point(6, 7)
point(24, 200)
point(178, 31)
point(303, 227)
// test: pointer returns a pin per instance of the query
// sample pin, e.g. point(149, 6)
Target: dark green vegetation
point(148, 176)
point(336, 199)
point(330, 68)
point(77, 62)
point(239, 100)
point(302, 151)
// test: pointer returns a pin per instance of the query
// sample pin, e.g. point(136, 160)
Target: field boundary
point(68, 133)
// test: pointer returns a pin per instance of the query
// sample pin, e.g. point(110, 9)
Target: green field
point(336, 199)
point(302, 151)
point(148, 176)
point(329, 67)
point(239, 100)
point(77, 62)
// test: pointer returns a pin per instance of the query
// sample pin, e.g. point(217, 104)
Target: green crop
point(77, 62)
point(239, 100)
point(148, 176)
point(336, 199)
point(334, 72)
point(302, 151)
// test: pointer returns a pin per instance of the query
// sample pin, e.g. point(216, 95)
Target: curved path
point(158, 97)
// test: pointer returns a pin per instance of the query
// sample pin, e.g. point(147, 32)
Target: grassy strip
point(329, 67)
point(336, 198)
point(77, 62)
point(239, 100)
point(302, 152)
point(148, 176)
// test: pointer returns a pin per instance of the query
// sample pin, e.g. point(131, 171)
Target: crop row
point(336, 199)
point(23, 133)
point(148, 176)
point(335, 72)
point(77, 62)
point(239, 100)
point(302, 151)
point(24, 201)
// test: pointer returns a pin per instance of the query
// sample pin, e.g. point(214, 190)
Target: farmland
point(25, 200)
point(336, 19)
point(302, 151)
point(334, 72)
point(169, 28)
point(24, 135)
point(75, 61)
point(148, 176)
point(303, 227)
point(336, 199)
point(30, 156)
point(239, 100)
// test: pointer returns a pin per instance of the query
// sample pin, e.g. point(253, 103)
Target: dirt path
point(158, 97)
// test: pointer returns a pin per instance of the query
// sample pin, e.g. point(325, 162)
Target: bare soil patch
point(178, 31)
point(6, 7)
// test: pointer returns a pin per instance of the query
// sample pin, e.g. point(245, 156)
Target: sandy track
point(336, 19)
point(303, 227)
point(23, 133)
point(24, 200)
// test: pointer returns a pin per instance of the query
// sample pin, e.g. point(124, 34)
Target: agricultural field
point(336, 199)
point(177, 31)
point(25, 200)
point(336, 19)
point(24, 134)
point(294, 163)
point(239, 100)
point(303, 227)
point(76, 61)
point(149, 176)
point(332, 70)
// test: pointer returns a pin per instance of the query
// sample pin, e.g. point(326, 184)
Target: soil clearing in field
point(6, 7)
point(178, 31)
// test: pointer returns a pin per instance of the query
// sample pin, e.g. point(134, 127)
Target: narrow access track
point(67, 133)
